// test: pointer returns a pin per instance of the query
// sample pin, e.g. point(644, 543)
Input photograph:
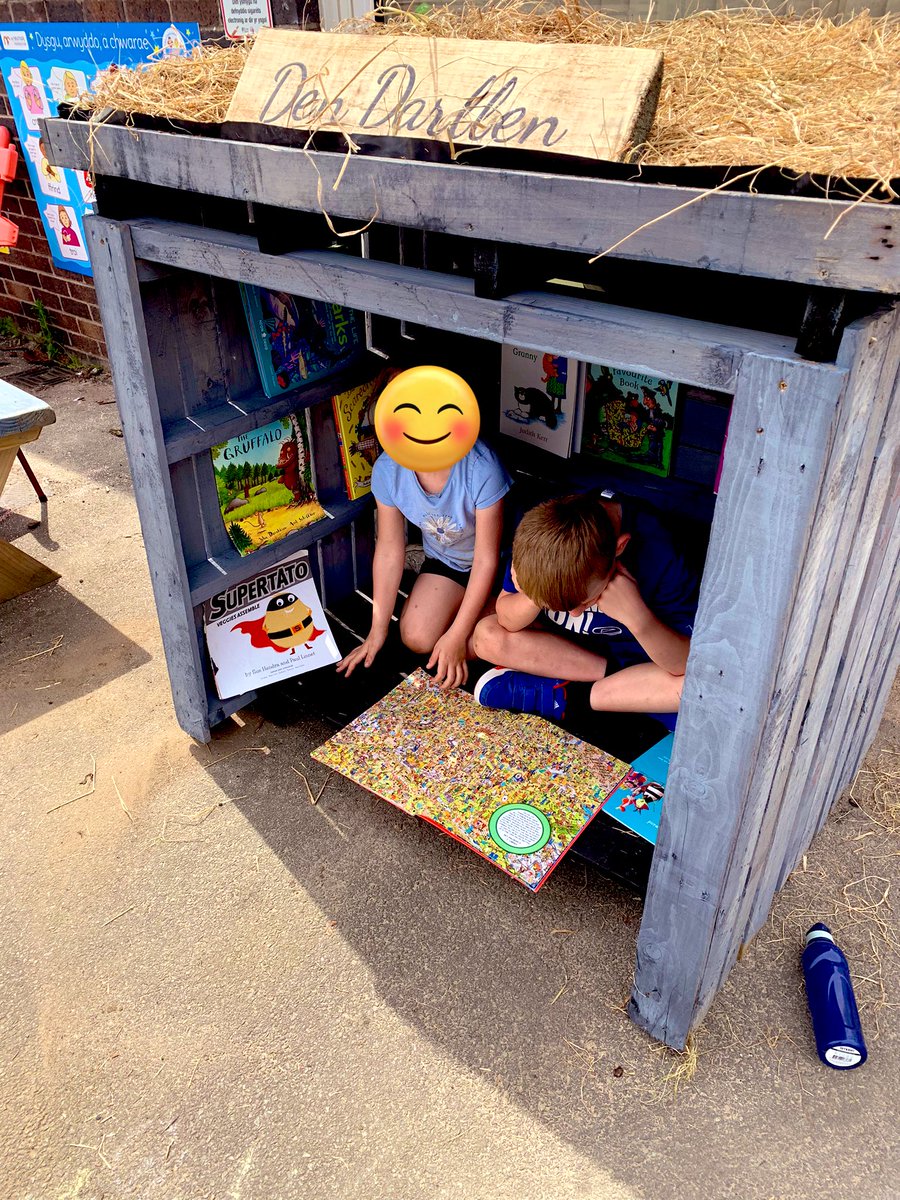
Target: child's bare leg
point(428, 613)
point(643, 688)
point(537, 651)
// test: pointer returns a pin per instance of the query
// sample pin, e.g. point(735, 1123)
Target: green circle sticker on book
point(519, 828)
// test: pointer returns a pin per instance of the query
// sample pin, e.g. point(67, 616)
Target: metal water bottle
point(832, 1005)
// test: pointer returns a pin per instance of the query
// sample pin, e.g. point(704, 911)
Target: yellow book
point(354, 416)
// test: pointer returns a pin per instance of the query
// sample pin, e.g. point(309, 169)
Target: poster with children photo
point(629, 418)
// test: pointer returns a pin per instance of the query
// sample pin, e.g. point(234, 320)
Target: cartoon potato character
point(288, 621)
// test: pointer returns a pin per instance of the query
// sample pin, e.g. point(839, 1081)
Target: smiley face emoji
point(427, 418)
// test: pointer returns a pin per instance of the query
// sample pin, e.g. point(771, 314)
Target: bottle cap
point(819, 931)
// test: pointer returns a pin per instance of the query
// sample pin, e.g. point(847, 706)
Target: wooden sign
point(588, 101)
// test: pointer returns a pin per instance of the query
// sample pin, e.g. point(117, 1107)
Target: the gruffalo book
point(266, 484)
point(267, 627)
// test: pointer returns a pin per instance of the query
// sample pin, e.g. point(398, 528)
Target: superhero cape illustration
point(267, 627)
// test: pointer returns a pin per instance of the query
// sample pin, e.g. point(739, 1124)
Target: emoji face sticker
point(427, 418)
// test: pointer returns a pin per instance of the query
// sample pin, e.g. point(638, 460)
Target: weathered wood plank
point(20, 411)
point(779, 439)
point(772, 237)
point(793, 732)
point(866, 606)
point(692, 351)
point(117, 287)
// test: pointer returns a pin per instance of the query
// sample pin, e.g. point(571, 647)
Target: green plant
point(9, 330)
point(46, 338)
point(72, 362)
point(239, 537)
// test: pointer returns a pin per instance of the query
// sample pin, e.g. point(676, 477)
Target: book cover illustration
point(354, 416)
point(637, 802)
point(297, 341)
point(512, 787)
point(539, 398)
point(267, 627)
point(265, 483)
point(629, 418)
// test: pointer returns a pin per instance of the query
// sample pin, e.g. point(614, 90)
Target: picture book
point(354, 417)
point(637, 801)
point(629, 418)
point(297, 341)
point(268, 627)
point(265, 483)
point(512, 787)
point(539, 396)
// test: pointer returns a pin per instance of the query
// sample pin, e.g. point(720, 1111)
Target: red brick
point(19, 291)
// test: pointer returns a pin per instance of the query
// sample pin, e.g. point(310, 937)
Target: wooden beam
point(115, 279)
point(694, 352)
point(826, 242)
point(782, 425)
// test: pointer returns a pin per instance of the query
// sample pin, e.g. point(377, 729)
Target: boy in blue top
point(597, 610)
point(459, 509)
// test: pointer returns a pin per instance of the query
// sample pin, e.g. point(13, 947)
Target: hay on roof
point(740, 87)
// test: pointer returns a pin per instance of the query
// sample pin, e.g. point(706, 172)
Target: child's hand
point(449, 656)
point(622, 601)
point(364, 653)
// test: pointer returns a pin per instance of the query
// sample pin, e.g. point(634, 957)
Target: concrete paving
point(212, 989)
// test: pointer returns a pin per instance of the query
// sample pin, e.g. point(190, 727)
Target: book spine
point(343, 448)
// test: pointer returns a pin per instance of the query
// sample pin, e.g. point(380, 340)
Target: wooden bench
point(22, 417)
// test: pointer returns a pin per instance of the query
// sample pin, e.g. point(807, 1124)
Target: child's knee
point(489, 638)
point(416, 636)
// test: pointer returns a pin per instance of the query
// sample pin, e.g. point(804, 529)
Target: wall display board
point(44, 65)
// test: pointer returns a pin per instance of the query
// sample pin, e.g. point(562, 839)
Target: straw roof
point(742, 87)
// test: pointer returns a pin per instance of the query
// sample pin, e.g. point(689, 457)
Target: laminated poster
point(45, 64)
point(268, 627)
point(512, 787)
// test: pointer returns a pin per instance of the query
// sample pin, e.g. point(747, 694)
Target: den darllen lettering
point(297, 97)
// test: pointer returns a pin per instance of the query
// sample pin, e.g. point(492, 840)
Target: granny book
point(268, 627)
point(629, 418)
point(539, 396)
point(297, 341)
point(354, 417)
point(265, 483)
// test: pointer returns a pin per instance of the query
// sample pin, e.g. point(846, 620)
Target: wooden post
point(738, 684)
point(118, 289)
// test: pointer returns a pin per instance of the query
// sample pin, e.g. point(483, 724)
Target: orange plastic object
point(9, 158)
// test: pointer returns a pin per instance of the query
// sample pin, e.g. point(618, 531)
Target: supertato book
point(267, 627)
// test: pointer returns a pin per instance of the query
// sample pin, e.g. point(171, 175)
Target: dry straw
point(745, 87)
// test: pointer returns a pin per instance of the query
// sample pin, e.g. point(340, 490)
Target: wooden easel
point(22, 417)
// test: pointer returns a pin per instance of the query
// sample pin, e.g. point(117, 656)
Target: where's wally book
point(268, 627)
point(354, 417)
point(539, 395)
point(297, 341)
point(637, 801)
point(629, 417)
point(265, 483)
point(510, 786)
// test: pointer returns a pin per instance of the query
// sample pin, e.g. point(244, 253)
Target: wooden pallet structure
point(796, 638)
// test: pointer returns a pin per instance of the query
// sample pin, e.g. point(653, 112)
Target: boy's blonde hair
point(560, 548)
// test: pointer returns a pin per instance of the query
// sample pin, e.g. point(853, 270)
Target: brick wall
point(26, 273)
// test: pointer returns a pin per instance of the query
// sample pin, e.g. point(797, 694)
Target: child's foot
point(518, 692)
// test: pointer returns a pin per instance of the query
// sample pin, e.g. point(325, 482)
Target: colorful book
point(297, 341)
point(354, 417)
point(539, 397)
point(512, 787)
point(629, 418)
point(268, 627)
point(637, 801)
point(265, 483)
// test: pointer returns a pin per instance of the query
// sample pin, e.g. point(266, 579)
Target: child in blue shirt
point(460, 512)
point(597, 610)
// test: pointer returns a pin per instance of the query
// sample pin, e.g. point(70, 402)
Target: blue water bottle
point(832, 1005)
